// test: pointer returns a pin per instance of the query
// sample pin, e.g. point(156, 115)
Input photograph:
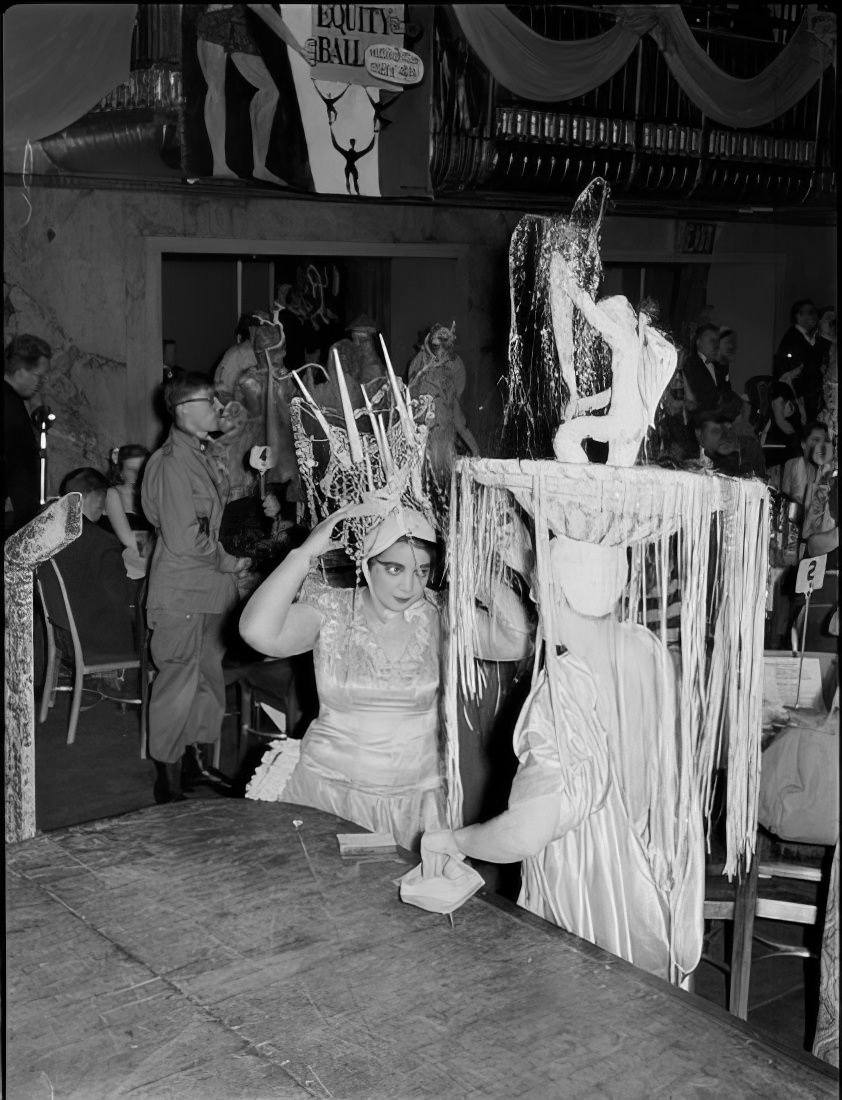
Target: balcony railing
point(637, 129)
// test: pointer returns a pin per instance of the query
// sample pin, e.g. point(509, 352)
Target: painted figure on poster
point(352, 155)
point(330, 101)
point(222, 33)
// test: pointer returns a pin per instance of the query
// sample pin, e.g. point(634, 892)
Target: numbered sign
point(810, 574)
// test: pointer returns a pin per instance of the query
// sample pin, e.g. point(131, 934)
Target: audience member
point(720, 448)
point(102, 598)
point(830, 389)
point(239, 357)
point(193, 584)
point(801, 355)
point(727, 348)
point(751, 452)
point(123, 512)
point(821, 498)
point(800, 473)
point(27, 360)
point(781, 435)
point(706, 379)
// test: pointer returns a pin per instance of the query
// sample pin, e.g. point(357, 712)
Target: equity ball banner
point(329, 98)
point(342, 33)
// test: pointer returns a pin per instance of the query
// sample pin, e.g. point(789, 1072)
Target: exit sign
point(698, 237)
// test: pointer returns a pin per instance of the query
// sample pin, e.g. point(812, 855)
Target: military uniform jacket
point(183, 496)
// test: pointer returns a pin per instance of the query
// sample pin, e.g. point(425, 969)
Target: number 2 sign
point(810, 574)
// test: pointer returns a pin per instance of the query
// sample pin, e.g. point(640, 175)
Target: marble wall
point(82, 270)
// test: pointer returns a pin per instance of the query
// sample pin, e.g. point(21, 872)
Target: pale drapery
point(59, 60)
point(535, 67)
point(539, 69)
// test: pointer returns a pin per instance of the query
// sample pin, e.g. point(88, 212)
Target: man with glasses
point(193, 585)
point(27, 360)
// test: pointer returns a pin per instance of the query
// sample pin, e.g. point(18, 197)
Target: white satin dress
point(614, 873)
point(372, 754)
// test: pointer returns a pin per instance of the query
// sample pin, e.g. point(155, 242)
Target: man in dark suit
point(706, 380)
point(27, 360)
point(801, 356)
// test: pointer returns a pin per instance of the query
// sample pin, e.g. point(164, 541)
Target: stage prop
point(628, 732)
point(439, 372)
point(56, 527)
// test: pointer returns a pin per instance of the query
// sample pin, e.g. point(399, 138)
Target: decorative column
point(57, 526)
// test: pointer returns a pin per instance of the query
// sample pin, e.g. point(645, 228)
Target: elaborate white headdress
point(378, 469)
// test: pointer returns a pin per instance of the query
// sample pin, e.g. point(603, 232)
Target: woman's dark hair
point(84, 479)
point(815, 426)
point(115, 466)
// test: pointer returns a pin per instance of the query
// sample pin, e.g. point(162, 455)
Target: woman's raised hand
point(321, 539)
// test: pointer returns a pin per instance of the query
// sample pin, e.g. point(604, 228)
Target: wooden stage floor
point(212, 950)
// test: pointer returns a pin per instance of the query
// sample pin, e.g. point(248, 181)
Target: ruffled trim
point(273, 772)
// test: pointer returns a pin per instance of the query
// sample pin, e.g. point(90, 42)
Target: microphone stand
point(43, 418)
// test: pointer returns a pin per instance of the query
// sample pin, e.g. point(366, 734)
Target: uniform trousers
point(188, 693)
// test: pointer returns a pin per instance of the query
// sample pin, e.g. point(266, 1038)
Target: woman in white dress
point(372, 755)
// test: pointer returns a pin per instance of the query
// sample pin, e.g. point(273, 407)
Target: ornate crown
point(372, 457)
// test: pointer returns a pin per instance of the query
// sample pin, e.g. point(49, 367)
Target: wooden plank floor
point(213, 950)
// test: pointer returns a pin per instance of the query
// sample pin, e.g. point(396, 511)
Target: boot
point(195, 770)
point(167, 786)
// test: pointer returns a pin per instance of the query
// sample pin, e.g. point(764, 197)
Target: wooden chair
point(741, 903)
point(64, 646)
point(285, 684)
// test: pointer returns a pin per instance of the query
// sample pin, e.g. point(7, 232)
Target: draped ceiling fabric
point(536, 67)
point(543, 70)
point(59, 61)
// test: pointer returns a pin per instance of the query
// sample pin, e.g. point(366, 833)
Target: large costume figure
point(256, 387)
point(615, 767)
point(438, 372)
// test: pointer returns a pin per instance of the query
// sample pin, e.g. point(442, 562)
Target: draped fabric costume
point(605, 875)
point(628, 750)
point(372, 754)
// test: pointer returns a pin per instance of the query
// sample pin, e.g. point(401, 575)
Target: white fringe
point(273, 772)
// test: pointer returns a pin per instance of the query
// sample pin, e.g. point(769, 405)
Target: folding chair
point(61, 629)
point(741, 902)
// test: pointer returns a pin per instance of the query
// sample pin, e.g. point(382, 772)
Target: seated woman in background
point(800, 474)
point(123, 513)
point(102, 598)
point(782, 433)
point(372, 755)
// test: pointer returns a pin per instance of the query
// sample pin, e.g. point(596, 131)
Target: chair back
point(57, 605)
point(757, 390)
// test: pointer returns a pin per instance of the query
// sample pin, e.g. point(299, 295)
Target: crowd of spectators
point(781, 427)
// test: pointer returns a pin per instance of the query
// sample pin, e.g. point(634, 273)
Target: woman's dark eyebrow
point(383, 561)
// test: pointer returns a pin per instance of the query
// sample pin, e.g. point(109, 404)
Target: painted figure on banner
point(379, 106)
point(288, 94)
point(330, 101)
point(439, 371)
point(352, 155)
point(223, 34)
